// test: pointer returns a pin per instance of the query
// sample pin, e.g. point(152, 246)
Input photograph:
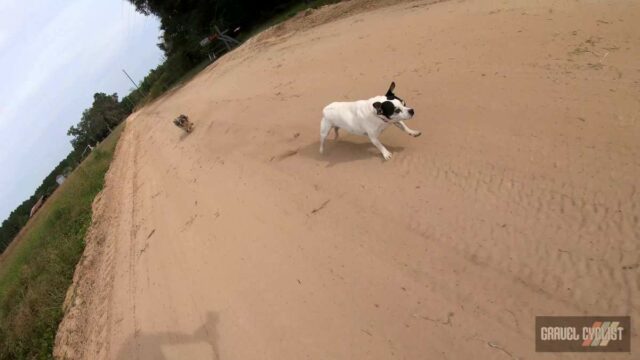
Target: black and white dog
point(367, 117)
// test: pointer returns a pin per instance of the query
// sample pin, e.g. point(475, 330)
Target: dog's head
point(393, 108)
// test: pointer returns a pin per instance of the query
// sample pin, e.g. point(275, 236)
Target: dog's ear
point(391, 88)
point(378, 106)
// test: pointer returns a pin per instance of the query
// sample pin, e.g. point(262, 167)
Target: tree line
point(96, 123)
point(185, 23)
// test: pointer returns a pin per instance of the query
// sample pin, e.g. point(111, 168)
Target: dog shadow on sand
point(345, 151)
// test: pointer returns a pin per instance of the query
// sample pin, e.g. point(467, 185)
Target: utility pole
point(133, 82)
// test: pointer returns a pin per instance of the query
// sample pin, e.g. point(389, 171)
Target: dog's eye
point(397, 111)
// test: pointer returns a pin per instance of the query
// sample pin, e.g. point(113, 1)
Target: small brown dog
point(183, 122)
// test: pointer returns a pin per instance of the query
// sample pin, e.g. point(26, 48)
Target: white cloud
point(4, 36)
point(64, 42)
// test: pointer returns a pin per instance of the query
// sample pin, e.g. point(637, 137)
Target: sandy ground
point(521, 197)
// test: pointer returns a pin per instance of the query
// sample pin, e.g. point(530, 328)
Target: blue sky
point(54, 55)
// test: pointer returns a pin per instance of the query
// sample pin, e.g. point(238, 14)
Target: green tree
point(98, 121)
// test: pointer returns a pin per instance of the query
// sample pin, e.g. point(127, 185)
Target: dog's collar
point(383, 118)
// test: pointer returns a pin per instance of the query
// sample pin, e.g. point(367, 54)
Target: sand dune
point(240, 241)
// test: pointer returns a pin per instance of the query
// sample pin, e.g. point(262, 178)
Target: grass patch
point(36, 273)
point(161, 87)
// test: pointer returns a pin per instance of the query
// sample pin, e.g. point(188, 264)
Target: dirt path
point(521, 198)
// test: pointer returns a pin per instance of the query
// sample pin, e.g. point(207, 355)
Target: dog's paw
point(387, 156)
point(416, 134)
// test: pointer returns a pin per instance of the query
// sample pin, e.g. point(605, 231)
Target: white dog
point(367, 117)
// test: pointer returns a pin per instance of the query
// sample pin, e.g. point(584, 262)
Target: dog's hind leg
point(325, 129)
point(335, 129)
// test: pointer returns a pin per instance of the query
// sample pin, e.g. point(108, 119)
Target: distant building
point(37, 206)
point(60, 179)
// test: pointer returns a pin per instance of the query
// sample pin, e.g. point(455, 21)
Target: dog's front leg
point(385, 153)
point(402, 126)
